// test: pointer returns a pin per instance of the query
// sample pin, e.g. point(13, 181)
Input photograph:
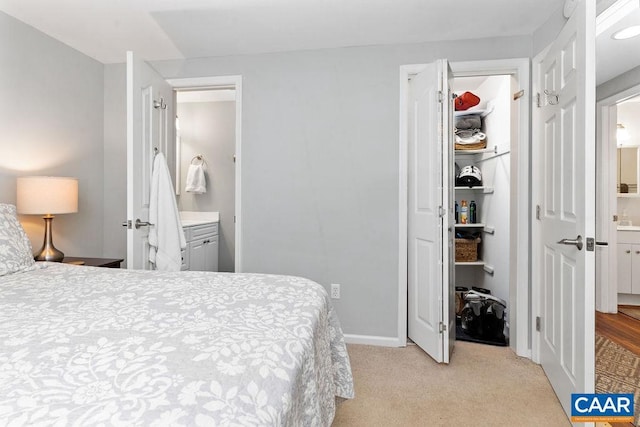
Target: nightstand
point(93, 262)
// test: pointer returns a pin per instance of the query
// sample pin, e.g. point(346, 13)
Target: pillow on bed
point(15, 248)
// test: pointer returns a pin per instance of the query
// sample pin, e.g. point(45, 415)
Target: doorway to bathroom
point(208, 160)
point(618, 201)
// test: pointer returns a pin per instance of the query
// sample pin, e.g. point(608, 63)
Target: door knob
point(577, 242)
point(139, 223)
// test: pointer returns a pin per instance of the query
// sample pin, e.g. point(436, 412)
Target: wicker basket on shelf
point(467, 250)
point(475, 146)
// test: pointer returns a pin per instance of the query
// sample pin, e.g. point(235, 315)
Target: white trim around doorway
point(520, 283)
point(236, 82)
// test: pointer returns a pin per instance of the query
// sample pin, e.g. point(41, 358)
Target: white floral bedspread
point(91, 346)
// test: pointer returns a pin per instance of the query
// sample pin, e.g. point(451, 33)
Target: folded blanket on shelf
point(468, 122)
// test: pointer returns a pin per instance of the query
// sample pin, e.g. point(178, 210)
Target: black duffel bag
point(483, 316)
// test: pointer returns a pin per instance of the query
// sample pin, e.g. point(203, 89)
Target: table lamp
point(47, 195)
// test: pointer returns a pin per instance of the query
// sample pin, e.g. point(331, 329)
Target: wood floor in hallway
point(622, 330)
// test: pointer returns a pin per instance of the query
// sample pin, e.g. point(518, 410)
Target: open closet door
point(564, 182)
point(430, 275)
point(150, 128)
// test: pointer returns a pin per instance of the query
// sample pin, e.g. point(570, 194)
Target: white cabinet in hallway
point(629, 262)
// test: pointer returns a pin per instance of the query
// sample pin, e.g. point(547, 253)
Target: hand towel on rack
point(196, 182)
point(166, 236)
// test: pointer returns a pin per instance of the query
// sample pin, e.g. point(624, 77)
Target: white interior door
point(430, 293)
point(150, 128)
point(565, 183)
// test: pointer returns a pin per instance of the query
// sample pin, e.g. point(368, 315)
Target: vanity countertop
point(189, 218)
point(629, 228)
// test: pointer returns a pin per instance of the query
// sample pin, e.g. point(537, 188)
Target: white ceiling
point(169, 29)
point(172, 29)
point(614, 57)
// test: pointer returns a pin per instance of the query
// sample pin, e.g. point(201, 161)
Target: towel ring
point(199, 157)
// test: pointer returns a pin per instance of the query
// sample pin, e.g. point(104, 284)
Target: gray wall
point(548, 32)
point(51, 117)
point(208, 128)
point(320, 164)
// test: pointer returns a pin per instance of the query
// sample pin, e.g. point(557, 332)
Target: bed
point(89, 346)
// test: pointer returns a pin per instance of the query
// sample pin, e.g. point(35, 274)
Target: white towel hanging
point(196, 182)
point(166, 236)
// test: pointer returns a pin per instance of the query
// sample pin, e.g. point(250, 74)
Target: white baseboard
point(373, 340)
point(628, 299)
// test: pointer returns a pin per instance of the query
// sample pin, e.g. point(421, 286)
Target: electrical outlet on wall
point(335, 290)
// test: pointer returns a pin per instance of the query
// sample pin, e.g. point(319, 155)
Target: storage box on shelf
point(467, 250)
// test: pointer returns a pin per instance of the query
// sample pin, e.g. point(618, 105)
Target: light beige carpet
point(630, 311)
point(617, 371)
point(483, 386)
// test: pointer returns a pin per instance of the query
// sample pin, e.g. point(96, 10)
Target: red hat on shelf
point(466, 101)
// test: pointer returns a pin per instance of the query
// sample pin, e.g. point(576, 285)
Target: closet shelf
point(472, 263)
point(472, 152)
point(483, 189)
point(486, 267)
point(475, 225)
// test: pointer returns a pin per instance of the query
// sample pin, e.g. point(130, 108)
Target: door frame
point(606, 201)
point(211, 82)
point(520, 286)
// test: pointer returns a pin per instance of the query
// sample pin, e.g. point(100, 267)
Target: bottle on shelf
point(473, 212)
point(464, 212)
point(456, 211)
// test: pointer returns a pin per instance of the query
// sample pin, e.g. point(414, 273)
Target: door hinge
point(442, 327)
point(550, 98)
point(538, 323)
point(615, 218)
point(440, 96)
point(441, 211)
point(537, 211)
point(160, 104)
point(234, 219)
point(234, 158)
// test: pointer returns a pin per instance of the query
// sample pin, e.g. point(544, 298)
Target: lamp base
point(48, 252)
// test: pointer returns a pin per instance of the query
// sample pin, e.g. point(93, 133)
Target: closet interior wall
point(493, 201)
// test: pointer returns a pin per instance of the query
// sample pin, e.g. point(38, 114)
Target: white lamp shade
point(47, 195)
